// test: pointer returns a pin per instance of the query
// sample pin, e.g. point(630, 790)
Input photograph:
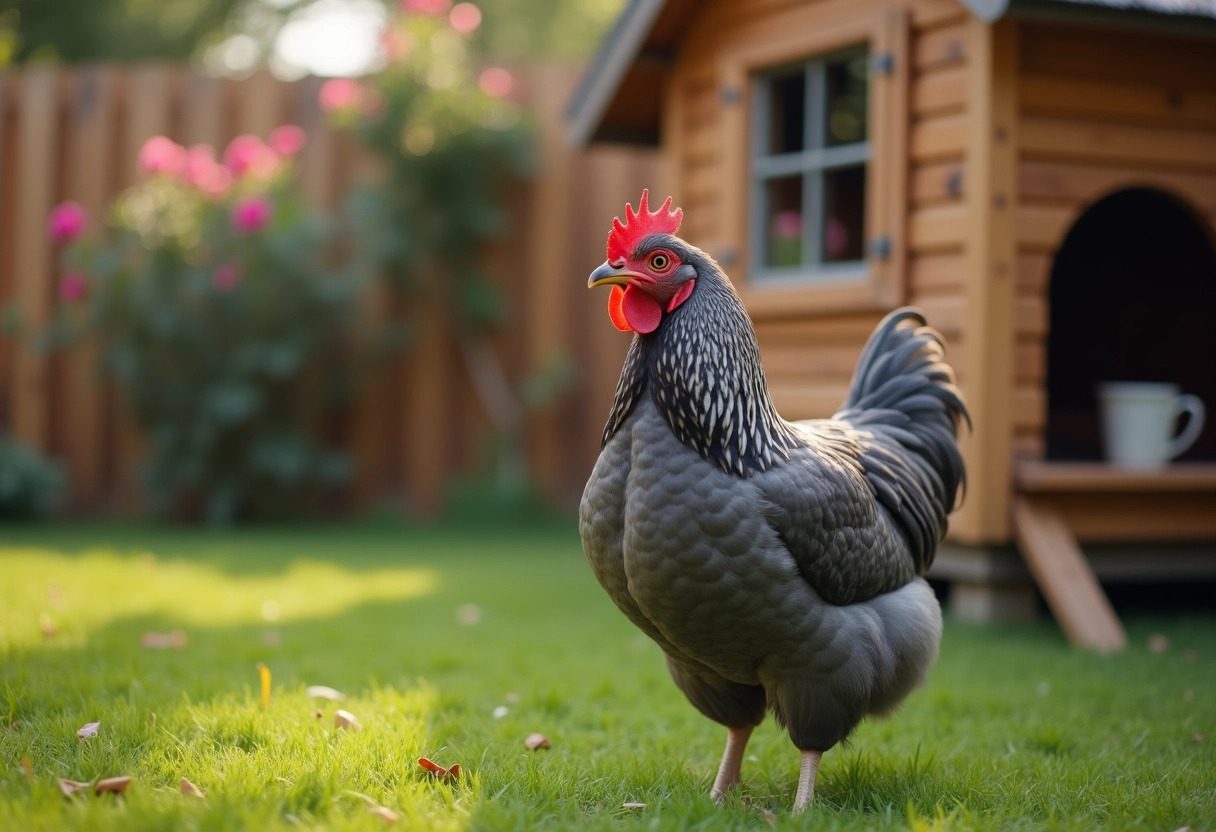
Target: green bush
point(30, 484)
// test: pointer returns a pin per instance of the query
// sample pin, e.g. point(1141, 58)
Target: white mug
point(1138, 420)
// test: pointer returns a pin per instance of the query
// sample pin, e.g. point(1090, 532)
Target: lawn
point(457, 643)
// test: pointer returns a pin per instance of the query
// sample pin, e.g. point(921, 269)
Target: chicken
point(777, 564)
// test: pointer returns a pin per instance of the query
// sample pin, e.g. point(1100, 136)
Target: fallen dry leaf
point(318, 713)
point(89, 730)
point(15, 727)
point(191, 790)
point(47, 625)
point(512, 698)
point(768, 816)
point(438, 770)
point(1189, 656)
point(28, 766)
point(264, 675)
point(1188, 695)
point(535, 741)
point(325, 692)
point(172, 640)
point(345, 719)
point(633, 806)
point(1199, 737)
point(113, 785)
point(1158, 643)
point(468, 614)
point(385, 814)
point(70, 787)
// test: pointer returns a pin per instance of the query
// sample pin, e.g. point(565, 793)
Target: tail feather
point(903, 394)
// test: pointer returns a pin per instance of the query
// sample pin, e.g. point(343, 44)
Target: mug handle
point(1194, 425)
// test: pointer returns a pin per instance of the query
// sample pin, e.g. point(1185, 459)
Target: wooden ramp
point(1060, 503)
point(1062, 573)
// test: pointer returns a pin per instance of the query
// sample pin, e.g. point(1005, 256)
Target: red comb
point(625, 236)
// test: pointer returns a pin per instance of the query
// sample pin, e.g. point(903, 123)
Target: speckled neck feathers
point(702, 370)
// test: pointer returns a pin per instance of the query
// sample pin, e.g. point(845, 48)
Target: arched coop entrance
point(1132, 298)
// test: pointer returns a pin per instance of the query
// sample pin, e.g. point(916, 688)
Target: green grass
point(1013, 731)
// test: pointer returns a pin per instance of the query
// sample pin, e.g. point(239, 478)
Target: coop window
point(809, 163)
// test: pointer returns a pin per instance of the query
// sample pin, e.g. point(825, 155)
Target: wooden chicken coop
point(1038, 176)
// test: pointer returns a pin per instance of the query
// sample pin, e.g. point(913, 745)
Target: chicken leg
point(732, 761)
point(806, 780)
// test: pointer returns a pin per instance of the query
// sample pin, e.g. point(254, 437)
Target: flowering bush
point(215, 313)
point(450, 135)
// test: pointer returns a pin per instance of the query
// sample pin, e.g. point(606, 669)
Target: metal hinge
point(880, 247)
point(883, 63)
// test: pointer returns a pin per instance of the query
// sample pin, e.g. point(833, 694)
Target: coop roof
point(619, 99)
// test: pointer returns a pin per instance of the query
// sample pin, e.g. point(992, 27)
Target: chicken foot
point(732, 761)
point(806, 780)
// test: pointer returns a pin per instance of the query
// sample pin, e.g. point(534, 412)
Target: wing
point(828, 509)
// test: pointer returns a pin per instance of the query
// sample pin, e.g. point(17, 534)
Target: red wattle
point(680, 296)
point(642, 312)
point(615, 312)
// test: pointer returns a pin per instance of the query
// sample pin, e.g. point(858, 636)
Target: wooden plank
point(819, 329)
point(1075, 182)
point(1034, 272)
point(1029, 445)
point(1030, 362)
point(1042, 227)
point(808, 400)
point(1029, 408)
point(1144, 517)
point(887, 183)
point(1128, 144)
point(1090, 477)
point(936, 183)
point(1146, 103)
point(203, 111)
point(549, 241)
point(940, 48)
point(318, 173)
point(939, 138)
point(37, 142)
point(938, 273)
point(1110, 54)
point(938, 228)
point(795, 362)
point(988, 323)
point(260, 104)
point(91, 142)
point(426, 423)
point(940, 92)
point(1065, 577)
point(944, 313)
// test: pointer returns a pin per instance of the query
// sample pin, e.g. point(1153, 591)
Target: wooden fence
point(75, 134)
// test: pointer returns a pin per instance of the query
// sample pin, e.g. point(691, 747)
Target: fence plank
point(91, 145)
point(37, 138)
point(203, 112)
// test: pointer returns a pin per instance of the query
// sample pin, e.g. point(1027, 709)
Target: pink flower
point(338, 94)
point(465, 18)
point(496, 82)
point(225, 277)
point(836, 237)
point(286, 140)
point(431, 7)
point(73, 286)
point(251, 214)
point(66, 223)
point(393, 44)
point(787, 224)
point(161, 155)
point(249, 154)
point(202, 171)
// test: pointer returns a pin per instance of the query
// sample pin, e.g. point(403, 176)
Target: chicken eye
point(659, 262)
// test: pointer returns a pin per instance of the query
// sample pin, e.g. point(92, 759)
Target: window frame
point(877, 282)
point(809, 163)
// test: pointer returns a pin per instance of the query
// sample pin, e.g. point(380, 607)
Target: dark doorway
point(1133, 298)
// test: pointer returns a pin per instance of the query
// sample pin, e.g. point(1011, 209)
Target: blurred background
point(302, 258)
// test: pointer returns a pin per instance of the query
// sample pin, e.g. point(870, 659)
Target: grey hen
point(777, 564)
